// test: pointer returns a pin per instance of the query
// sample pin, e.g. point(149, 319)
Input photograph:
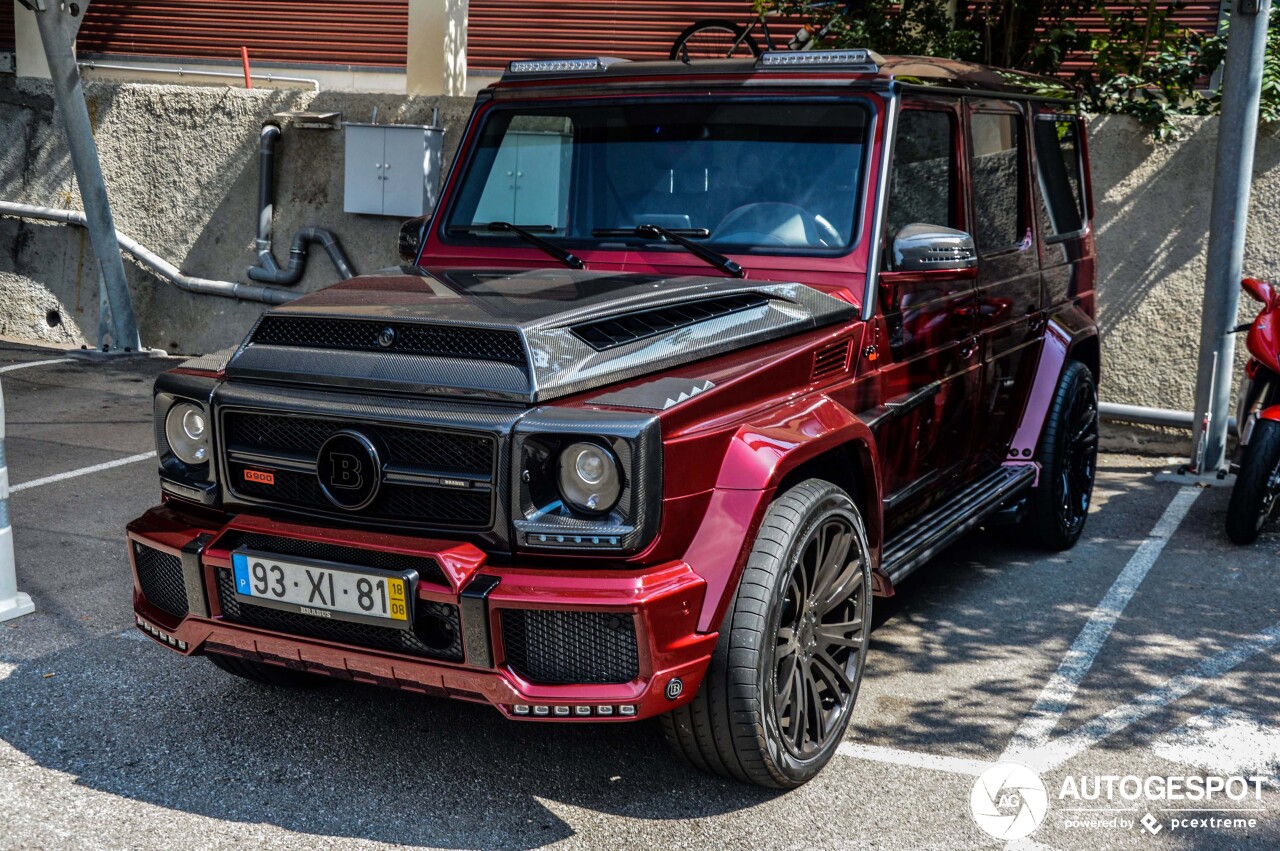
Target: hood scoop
point(605, 334)
point(524, 337)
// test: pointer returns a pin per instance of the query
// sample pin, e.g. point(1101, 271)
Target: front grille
point(410, 338)
point(556, 647)
point(616, 331)
point(428, 569)
point(160, 577)
point(253, 439)
point(435, 632)
point(442, 451)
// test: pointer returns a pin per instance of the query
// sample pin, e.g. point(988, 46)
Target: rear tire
point(1253, 499)
point(1068, 458)
point(780, 688)
point(272, 675)
point(713, 39)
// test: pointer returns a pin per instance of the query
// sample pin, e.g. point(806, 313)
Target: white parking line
point(1053, 754)
point(83, 471)
point(30, 364)
point(1061, 688)
point(914, 759)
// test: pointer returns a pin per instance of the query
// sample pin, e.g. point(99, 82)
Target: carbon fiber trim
point(547, 308)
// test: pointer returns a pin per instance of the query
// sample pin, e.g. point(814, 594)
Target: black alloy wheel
point(781, 686)
point(1068, 458)
point(820, 639)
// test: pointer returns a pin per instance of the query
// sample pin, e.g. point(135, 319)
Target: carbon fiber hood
point(525, 336)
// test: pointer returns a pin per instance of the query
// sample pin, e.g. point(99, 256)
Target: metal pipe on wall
point(1163, 417)
point(197, 72)
point(144, 255)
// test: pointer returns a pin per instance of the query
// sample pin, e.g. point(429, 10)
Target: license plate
point(324, 589)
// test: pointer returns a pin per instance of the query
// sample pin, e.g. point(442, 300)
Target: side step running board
point(931, 533)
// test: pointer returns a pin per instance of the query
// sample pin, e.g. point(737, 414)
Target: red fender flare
point(760, 455)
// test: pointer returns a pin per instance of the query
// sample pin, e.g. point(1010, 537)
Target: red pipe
point(244, 58)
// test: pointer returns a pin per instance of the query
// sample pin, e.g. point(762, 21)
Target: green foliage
point(1142, 62)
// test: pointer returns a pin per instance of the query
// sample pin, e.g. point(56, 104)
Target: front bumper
point(661, 602)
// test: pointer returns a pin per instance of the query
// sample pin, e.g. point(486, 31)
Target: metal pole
point(13, 603)
point(58, 25)
point(1233, 175)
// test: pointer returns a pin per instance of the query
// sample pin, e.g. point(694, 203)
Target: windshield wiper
point(724, 264)
point(526, 232)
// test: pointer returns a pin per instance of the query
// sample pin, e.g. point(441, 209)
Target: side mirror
point(412, 234)
point(932, 248)
point(1259, 290)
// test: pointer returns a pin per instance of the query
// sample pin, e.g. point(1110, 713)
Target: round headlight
point(590, 478)
point(187, 430)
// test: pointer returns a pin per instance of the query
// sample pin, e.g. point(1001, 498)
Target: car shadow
point(343, 760)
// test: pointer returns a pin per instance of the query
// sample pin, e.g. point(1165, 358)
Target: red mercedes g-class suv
point(691, 362)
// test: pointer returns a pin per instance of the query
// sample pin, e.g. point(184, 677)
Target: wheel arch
point(804, 439)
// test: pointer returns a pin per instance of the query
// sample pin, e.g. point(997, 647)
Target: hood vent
point(605, 334)
point(831, 360)
point(406, 338)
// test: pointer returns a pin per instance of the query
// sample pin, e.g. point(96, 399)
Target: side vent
point(831, 360)
point(604, 334)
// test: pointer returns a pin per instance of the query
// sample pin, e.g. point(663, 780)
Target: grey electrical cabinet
point(392, 169)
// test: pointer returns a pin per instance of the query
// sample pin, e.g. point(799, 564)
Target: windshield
point(742, 176)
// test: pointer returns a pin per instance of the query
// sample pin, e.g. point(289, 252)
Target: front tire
point(782, 682)
point(1254, 497)
point(1068, 458)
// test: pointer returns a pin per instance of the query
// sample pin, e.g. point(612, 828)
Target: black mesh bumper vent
point(409, 338)
point(554, 647)
point(619, 330)
point(160, 576)
point(435, 633)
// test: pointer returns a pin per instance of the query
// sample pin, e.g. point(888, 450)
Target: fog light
point(182, 645)
point(520, 709)
point(562, 711)
point(626, 710)
point(604, 710)
point(582, 710)
point(541, 710)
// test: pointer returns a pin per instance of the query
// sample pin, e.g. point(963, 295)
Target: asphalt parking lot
point(1148, 650)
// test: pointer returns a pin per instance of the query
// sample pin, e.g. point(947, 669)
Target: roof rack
point(571, 65)
point(857, 59)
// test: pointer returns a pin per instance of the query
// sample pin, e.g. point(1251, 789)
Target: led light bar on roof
point(857, 60)
point(585, 65)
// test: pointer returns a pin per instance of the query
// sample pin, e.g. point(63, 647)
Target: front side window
point(1059, 171)
point(737, 176)
point(997, 181)
point(924, 171)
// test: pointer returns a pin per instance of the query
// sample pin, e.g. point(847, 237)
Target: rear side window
point(997, 181)
point(924, 170)
point(1059, 171)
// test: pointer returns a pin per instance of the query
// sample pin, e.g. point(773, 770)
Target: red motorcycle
point(1257, 485)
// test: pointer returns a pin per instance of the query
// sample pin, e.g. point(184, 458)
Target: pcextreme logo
point(1008, 801)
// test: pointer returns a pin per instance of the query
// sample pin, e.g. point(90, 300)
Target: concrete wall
point(1152, 211)
point(182, 170)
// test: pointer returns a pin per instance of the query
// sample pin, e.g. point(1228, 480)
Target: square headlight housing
point(586, 480)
